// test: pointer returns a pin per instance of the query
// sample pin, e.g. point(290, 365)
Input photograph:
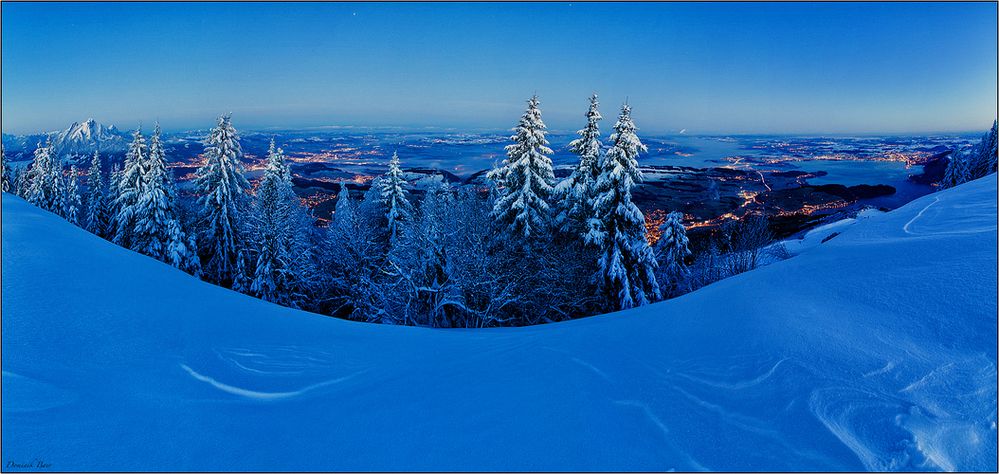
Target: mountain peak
point(87, 136)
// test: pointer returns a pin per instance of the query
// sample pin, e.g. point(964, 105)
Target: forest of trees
point(527, 250)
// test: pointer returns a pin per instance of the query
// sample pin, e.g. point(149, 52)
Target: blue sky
point(707, 68)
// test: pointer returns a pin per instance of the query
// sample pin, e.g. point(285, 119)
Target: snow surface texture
point(874, 350)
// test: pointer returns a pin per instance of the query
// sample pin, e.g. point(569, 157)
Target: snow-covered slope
point(873, 350)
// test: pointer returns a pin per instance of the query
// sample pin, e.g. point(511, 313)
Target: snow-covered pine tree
point(574, 194)
point(61, 205)
point(222, 189)
point(957, 169)
point(627, 264)
point(241, 278)
point(16, 183)
point(671, 250)
point(155, 208)
point(182, 251)
point(72, 200)
point(98, 214)
point(5, 182)
point(273, 231)
point(989, 151)
point(344, 212)
point(21, 182)
point(42, 187)
point(114, 190)
point(131, 184)
point(525, 181)
point(393, 189)
point(303, 242)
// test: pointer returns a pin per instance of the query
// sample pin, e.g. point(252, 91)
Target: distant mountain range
point(80, 138)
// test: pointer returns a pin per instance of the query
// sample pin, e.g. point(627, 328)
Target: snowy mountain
point(875, 349)
point(87, 136)
point(79, 138)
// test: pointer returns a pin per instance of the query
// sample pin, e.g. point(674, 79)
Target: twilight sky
point(707, 68)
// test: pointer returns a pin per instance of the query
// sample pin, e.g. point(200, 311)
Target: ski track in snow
point(905, 228)
point(257, 395)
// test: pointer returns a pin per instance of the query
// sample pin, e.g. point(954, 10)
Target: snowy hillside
point(873, 350)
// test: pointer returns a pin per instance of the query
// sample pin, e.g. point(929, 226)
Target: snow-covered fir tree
point(5, 181)
point(987, 157)
point(72, 203)
point(241, 278)
point(574, 194)
point(43, 189)
point(182, 250)
point(114, 190)
point(21, 182)
point(60, 181)
point(130, 186)
point(16, 183)
point(274, 230)
point(525, 181)
point(98, 212)
point(956, 171)
point(154, 210)
point(627, 264)
point(671, 250)
point(222, 189)
point(394, 196)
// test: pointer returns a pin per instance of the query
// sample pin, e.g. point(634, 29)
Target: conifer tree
point(98, 213)
point(393, 192)
point(671, 250)
point(627, 263)
point(222, 189)
point(114, 190)
point(274, 231)
point(154, 210)
point(574, 194)
point(61, 204)
point(5, 181)
point(41, 185)
point(72, 199)
point(241, 278)
point(182, 250)
point(525, 181)
point(21, 183)
point(956, 171)
point(130, 185)
point(990, 151)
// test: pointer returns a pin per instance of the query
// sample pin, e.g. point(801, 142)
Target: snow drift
point(873, 350)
